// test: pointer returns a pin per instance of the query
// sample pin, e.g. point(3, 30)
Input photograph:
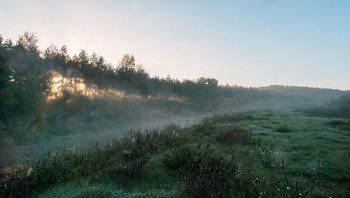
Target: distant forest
point(42, 91)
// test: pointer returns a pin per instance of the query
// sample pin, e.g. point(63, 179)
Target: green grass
point(88, 189)
point(258, 142)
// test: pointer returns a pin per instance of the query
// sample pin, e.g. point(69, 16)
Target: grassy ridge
point(265, 153)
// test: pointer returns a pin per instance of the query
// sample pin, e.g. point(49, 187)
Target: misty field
point(251, 154)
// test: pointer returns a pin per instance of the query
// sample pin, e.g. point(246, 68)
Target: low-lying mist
point(101, 118)
point(13, 153)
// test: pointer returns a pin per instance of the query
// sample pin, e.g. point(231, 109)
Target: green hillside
point(251, 154)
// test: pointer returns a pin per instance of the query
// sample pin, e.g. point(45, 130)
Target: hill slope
point(277, 153)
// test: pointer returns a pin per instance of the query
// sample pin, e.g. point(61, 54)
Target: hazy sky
point(243, 42)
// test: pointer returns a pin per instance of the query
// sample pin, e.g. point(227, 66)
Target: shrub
point(231, 135)
point(340, 124)
point(208, 124)
point(14, 181)
point(135, 149)
point(135, 153)
point(53, 167)
point(203, 172)
point(283, 129)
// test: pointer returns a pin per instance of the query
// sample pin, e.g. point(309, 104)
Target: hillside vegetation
point(227, 155)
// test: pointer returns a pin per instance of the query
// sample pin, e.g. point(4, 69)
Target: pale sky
point(244, 42)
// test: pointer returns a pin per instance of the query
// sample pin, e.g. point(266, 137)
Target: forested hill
point(305, 91)
point(318, 95)
point(44, 92)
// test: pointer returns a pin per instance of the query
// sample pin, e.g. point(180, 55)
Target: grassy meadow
point(251, 154)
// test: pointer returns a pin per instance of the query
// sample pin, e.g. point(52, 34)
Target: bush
point(135, 149)
point(14, 181)
point(134, 152)
point(231, 135)
point(283, 129)
point(208, 124)
point(203, 172)
point(340, 124)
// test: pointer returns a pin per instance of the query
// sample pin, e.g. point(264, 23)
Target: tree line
point(25, 59)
